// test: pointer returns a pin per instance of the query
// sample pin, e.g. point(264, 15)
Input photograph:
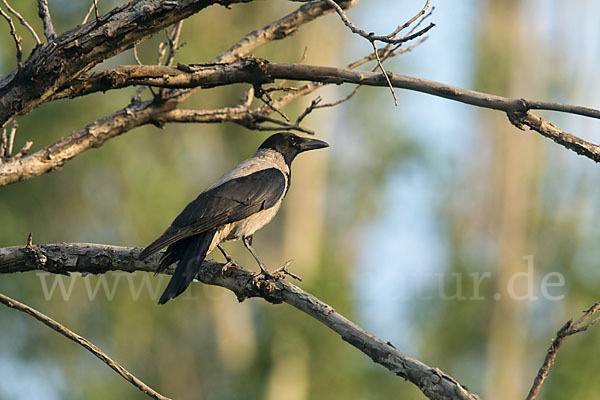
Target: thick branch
point(257, 71)
point(92, 258)
point(52, 66)
point(94, 135)
point(55, 155)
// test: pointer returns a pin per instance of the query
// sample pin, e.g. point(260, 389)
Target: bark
point(97, 259)
point(52, 66)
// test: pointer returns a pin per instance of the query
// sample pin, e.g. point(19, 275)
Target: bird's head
point(290, 145)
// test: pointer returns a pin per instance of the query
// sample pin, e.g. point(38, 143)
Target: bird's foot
point(230, 261)
point(226, 266)
point(264, 274)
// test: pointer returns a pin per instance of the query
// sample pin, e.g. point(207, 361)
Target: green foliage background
point(492, 195)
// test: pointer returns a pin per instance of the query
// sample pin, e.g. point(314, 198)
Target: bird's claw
point(226, 266)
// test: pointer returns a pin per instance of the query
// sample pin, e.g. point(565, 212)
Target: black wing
point(232, 201)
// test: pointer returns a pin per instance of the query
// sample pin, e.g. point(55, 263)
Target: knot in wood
point(267, 290)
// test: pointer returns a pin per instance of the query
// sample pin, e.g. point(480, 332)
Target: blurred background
point(434, 225)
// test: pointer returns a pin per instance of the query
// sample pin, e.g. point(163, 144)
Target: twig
point(212, 75)
point(128, 376)
point(387, 78)
point(434, 383)
point(26, 147)
point(568, 329)
point(11, 139)
point(304, 54)
point(87, 15)
point(266, 98)
point(23, 22)
point(308, 110)
point(17, 39)
point(170, 43)
point(371, 37)
point(173, 40)
point(416, 26)
point(136, 57)
point(139, 113)
point(410, 21)
point(137, 97)
point(124, 26)
point(3, 140)
point(386, 53)
point(96, 9)
point(340, 101)
point(44, 13)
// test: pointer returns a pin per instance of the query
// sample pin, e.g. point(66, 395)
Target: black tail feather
point(190, 252)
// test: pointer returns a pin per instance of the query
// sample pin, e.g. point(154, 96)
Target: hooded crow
point(241, 202)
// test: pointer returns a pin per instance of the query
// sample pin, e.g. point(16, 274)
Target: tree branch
point(72, 53)
point(94, 135)
point(17, 39)
point(128, 376)
point(257, 71)
point(44, 13)
point(23, 22)
point(568, 329)
point(93, 258)
point(371, 37)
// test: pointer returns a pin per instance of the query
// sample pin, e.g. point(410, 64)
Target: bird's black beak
point(312, 144)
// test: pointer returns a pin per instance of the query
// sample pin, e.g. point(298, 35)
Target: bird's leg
point(247, 240)
point(230, 260)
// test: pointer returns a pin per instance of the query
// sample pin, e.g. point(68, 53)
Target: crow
point(241, 202)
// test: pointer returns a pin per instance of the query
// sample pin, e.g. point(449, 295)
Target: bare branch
point(279, 29)
point(78, 50)
point(340, 101)
point(23, 22)
point(136, 57)
point(17, 39)
point(69, 334)
point(410, 21)
point(173, 42)
point(3, 140)
point(96, 9)
point(386, 53)
point(241, 115)
point(94, 135)
point(568, 329)
point(44, 13)
point(11, 139)
point(24, 149)
point(54, 156)
point(549, 130)
point(258, 71)
point(93, 7)
point(371, 37)
point(67, 258)
point(387, 78)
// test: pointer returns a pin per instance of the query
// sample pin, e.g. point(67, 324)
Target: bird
point(241, 202)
